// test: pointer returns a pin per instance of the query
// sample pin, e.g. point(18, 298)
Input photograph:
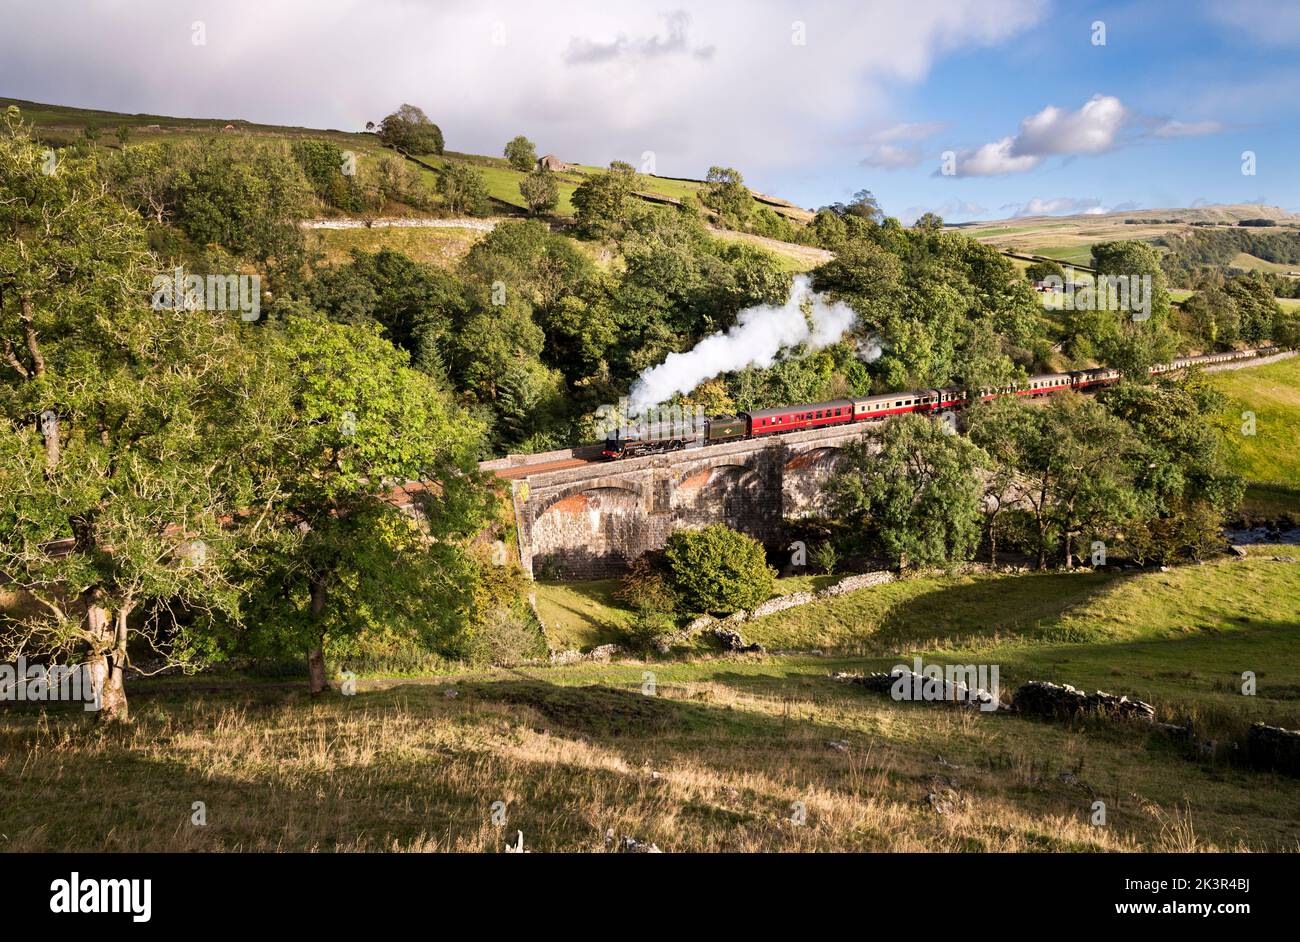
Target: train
point(759, 423)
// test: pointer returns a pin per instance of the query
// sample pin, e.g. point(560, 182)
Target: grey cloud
point(486, 73)
point(584, 51)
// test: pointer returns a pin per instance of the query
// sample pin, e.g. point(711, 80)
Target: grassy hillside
point(1269, 459)
point(1177, 638)
point(718, 755)
point(443, 247)
point(1070, 238)
point(65, 124)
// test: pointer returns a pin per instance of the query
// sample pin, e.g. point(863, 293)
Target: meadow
point(1267, 453)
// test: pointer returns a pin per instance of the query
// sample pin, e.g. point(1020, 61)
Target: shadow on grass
point(1018, 605)
point(413, 768)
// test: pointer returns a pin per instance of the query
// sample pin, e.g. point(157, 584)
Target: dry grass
point(715, 765)
point(443, 248)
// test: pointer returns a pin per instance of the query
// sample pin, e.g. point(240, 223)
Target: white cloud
point(890, 157)
point(949, 211)
point(1060, 205)
point(1090, 130)
point(912, 131)
point(1188, 129)
point(885, 153)
point(697, 83)
point(1094, 129)
point(993, 159)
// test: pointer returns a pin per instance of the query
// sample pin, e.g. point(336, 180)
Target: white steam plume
point(758, 336)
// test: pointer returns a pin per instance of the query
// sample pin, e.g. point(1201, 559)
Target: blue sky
point(810, 99)
point(1231, 90)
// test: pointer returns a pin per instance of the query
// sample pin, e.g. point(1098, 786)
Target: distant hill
point(1069, 239)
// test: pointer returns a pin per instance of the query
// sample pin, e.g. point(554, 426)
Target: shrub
point(646, 589)
point(507, 636)
point(650, 631)
point(718, 570)
point(826, 557)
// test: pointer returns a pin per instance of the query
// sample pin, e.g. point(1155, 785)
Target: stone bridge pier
point(594, 519)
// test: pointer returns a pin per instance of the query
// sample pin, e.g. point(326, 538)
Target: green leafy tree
point(326, 168)
point(409, 129)
point(1004, 427)
point(392, 179)
point(248, 197)
point(1075, 465)
point(521, 153)
point(1042, 270)
point(359, 433)
point(1128, 339)
point(920, 495)
point(829, 229)
point(1212, 313)
point(727, 194)
point(1179, 468)
point(540, 191)
point(415, 304)
point(1257, 309)
point(463, 189)
point(149, 177)
point(718, 569)
point(826, 556)
point(125, 433)
point(863, 207)
point(604, 201)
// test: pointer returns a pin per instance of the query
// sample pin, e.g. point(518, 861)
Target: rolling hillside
point(1069, 239)
point(64, 124)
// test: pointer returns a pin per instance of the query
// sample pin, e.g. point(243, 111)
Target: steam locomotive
point(673, 436)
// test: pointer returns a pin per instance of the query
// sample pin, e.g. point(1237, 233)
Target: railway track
point(523, 470)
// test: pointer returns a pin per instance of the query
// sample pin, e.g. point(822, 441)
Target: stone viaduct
point(587, 519)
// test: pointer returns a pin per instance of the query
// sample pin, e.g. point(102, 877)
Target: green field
point(715, 755)
point(1251, 263)
point(1270, 458)
point(1197, 627)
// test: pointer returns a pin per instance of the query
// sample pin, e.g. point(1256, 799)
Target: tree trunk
point(316, 671)
point(319, 682)
point(108, 660)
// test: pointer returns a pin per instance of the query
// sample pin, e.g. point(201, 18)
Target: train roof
point(902, 394)
point(799, 407)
